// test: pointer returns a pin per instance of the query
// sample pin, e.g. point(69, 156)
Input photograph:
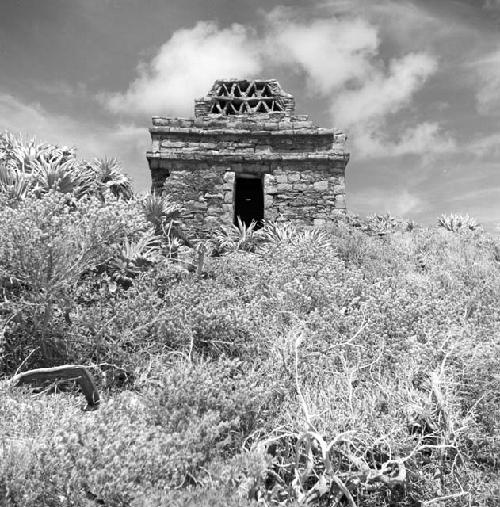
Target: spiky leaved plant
point(286, 232)
point(236, 237)
point(164, 215)
point(134, 257)
point(160, 211)
point(56, 174)
point(19, 153)
point(108, 177)
point(14, 184)
point(458, 223)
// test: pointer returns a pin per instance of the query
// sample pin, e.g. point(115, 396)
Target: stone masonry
point(246, 153)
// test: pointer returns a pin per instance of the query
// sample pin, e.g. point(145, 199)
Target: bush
point(289, 361)
point(48, 247)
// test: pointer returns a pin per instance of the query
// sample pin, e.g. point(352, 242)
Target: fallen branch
point(66, 372)
point(444, 498)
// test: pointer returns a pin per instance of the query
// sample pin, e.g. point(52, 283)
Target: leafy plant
point(458, 223)
point(286, 232)
point(236, 237)
point(107, 176)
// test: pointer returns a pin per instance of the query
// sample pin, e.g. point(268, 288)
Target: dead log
point(65, 372)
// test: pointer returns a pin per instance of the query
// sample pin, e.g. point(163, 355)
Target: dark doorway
point(249, 200)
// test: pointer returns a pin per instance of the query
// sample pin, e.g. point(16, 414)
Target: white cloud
point(331, 52)
point(384, 93)
point(425, 139)
point(186, 66)
point(488, 78)
point(365, 111)
point(339, 57)
point(341, 60)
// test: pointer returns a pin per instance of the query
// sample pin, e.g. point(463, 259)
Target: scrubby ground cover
point(352, 367)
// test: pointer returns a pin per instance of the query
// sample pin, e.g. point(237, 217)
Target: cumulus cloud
point(365, 111)
point(186, 66)
point(384, 93)
point(338, 57)
point(488, 79)
point(331, 52)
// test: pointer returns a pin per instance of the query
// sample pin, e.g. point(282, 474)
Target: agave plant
point(49, 167)
point(134, 257)
point(13, 183)
point(56, 174)
point(108, 177)
point(236, 237)
point(21, 154)
point(286, 232)
point(457, 223)
point(161, 212)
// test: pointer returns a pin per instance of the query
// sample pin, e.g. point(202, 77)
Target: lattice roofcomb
point(240, 96)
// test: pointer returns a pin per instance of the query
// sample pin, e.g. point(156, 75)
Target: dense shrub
point(287, 361)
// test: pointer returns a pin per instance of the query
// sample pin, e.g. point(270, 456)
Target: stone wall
point(310, 197)
point(196, 160)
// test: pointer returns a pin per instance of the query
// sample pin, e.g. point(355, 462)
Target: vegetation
point(352, 367)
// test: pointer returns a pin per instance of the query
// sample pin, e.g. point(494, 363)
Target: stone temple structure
point(247, 154)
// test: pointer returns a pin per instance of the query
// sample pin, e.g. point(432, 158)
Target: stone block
point(282, 178)
point(271, 189)
point(294, 177)
point(283, 187)
point(209, 175)
point(200, 206)
point(339, 189)
point(170, 145)
point(262, 149)
point(321, 185)
point(228, 197)
point(229, 177)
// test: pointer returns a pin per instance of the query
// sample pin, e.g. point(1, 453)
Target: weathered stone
point(229, 176)
point(247, 131)
point(321, 185)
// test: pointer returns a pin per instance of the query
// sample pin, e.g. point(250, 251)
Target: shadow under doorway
point(249, 199)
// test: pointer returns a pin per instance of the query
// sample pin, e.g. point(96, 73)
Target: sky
point(415, 84)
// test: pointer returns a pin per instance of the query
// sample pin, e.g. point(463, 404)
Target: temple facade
point(247, 154)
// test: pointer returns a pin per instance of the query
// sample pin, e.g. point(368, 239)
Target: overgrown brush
point(355, 366)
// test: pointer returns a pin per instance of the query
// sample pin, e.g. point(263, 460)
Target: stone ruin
point(247, 154)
